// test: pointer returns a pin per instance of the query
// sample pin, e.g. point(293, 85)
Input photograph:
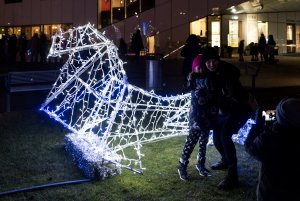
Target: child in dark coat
point(202, 112)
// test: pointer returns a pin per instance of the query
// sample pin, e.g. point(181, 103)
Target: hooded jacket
point(278, 151)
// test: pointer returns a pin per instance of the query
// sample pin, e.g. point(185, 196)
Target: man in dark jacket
point(137, 44)
point(233, 113)
point(189, 51)
point(277, 149)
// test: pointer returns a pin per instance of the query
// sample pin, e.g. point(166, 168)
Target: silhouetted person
point(189, 51)
point(43, 47)
point(34, 46)
point(122, 48)
point(137, 44)
point(2, 49)
point(22, 47)
point(252, 51)
point(255, 51)
point(12, 48)
point(262, 42)
point(271, 49)
point(241, 50)
point(277, 149)
point(57, 59)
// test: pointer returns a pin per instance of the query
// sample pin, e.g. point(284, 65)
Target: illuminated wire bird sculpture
point(109, 118)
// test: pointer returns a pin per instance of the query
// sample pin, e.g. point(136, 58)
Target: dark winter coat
point(262, 42)
point(241, 47)
point(271, 41)
point(203, 109)
point(137, 42)
point(278, 151)
point(232, 96)
point(189, 51)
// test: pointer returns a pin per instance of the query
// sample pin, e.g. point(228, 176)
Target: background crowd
point(13, 48)
point(265, 50)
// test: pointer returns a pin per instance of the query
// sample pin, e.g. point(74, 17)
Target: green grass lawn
point(32, 153)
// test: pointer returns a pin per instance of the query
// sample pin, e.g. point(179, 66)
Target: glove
point(259, 118)
point(252, 103)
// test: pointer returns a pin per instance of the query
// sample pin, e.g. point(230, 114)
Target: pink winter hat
point(197, 61)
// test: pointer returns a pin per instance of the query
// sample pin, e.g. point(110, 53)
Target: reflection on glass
point(105, 12)
point(147, 4)
point(14, 30)
point(29, 31)
point(113, 11)
point(118, 10)
point(133, 7)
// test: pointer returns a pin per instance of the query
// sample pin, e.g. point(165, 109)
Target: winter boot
point(202, 170)
point(182, 171)
point(231, 180)
point(220, 165)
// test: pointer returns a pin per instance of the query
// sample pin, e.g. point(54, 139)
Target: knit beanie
point(197, 62)
point(210, 53)
point(288, 112)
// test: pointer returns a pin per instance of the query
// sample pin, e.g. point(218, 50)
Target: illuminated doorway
point(14, 30)
point(198, 27)
point(298, 38)
point(252, 32)
point(233, 36)
point(290, 38)
point(35, 29)
point(2, 32)
point(215, 33)
point(151, 42)
point(262, 28)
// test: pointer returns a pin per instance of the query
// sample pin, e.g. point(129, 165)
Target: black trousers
point(226, 126)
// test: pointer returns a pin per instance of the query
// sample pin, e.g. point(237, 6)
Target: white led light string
point(109, 118)
point(105, 113)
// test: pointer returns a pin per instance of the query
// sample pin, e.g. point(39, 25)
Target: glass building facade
point(113, 11)
point(48, 29)
point(165, 24)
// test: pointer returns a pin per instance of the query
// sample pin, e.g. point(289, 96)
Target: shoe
point(202, 171)
point(219, 166)
point(182, 173)
point(228, 183)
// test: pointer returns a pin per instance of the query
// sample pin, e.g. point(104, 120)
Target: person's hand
point(190, 76)
point(253, 103)
point(259, 118)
